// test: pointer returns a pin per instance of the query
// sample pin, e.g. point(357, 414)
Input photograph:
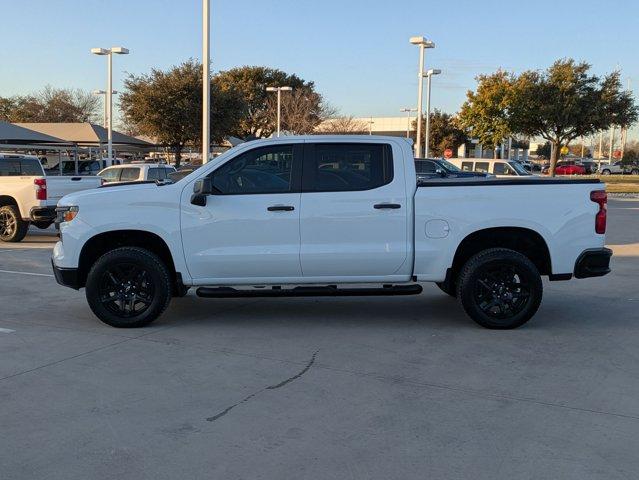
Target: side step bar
point(327, 291)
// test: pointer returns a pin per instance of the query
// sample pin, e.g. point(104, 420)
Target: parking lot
point(331, 388)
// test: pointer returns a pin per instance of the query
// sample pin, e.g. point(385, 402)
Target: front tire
point(128, 287)
point(12, 227)
point(606, 172)
point(500, 288)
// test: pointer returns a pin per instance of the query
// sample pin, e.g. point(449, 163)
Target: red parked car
point(567, 168)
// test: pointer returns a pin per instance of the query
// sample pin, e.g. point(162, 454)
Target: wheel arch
point(104, 242)
point(8, 200)
point(524, 240)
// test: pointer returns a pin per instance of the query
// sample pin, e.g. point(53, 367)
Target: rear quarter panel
point(562, 214)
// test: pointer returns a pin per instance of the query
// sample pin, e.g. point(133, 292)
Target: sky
point(356, 51)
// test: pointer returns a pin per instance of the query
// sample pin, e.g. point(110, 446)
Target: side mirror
point(201, 189)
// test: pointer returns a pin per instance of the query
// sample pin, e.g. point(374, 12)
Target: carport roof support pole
point(206, 80)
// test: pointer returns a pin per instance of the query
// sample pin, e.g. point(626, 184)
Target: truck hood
point(115, 195)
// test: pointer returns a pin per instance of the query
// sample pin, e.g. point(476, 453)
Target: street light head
point(433, 71)
point(98, 92)
point(99, 51)
point(422, 41)
point(286, 89)
point(271, 89)
point(120, 50)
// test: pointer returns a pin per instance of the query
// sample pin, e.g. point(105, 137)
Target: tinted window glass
point(425, 166)
point(154, 174)
point(467, 166)
point(9, 168)
point(129, 174)
point(263, 170)
point(15, 167)
point(357, 166)
point(30, 166)
point(502, 169)
point(111, 175)
point(481, 167)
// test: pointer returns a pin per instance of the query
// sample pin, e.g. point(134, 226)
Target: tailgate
point(58, 187)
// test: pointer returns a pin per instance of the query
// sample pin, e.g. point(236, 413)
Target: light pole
point(109, 90)
point(429, 75)
point(206, 80)
point(102, 92)
point(408, 112)
point(423, 45)
point(279, 91)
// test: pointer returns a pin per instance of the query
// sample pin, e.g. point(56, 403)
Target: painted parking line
point(6, 330)
point(27, 273)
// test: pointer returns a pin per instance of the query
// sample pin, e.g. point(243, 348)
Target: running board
point(327, 291)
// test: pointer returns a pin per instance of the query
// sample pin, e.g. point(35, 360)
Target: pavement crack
point(270, 387)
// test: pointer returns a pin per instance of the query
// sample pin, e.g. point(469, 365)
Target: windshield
point(519, 168)
point(448, 166)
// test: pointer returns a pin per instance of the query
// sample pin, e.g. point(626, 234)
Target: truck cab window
point(481, 167)
point(263, 170)
point(354, 166)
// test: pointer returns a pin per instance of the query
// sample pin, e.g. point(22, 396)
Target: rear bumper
point(42, 214)
point(594, 262)
point(67, 277)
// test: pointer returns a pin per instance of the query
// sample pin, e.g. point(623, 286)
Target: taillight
point(600, 198)
point(41, 188)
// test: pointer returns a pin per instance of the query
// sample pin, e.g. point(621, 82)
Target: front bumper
point(42, 214)
point(594, 262)
point(67, 277)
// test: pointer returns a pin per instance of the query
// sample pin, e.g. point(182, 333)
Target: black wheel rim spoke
point(126, 290)
point(501, 290)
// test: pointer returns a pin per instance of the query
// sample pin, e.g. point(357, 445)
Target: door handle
point(281, 208)
point(393, 206)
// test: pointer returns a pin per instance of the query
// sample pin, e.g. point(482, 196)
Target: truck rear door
point(353, 219)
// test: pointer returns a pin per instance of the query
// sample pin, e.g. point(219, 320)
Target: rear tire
point(12, 227)
point(128, 287)
point(605, 172)
point(500, 288)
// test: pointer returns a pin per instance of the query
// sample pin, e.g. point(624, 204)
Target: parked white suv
point(136, 172)
point(28, 196)
point(314, 215)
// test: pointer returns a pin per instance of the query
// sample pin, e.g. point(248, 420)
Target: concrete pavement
point(321, 388)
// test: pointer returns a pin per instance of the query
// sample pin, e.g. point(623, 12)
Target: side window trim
point(296, 168)
point(308, 170)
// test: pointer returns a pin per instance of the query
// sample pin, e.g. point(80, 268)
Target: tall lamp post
point(102, 92)
point(206, 80)
point(429, 75)
point(109, 90)
point(423, 45)
point(279, 91)
point(408, 111)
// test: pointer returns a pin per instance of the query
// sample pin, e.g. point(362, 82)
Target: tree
point(445, 132)
point(302, 110)
point(250, 83)
point(50, 105)
point(544, 150)
point(566, 102)
point(168, 106)
point(484, 115)
point(342, 126)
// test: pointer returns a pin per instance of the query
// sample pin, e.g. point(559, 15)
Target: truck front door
point(249, 229)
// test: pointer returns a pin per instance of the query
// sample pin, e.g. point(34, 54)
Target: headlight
point(66, 214)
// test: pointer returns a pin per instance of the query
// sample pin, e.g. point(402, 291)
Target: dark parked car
point(436, 168)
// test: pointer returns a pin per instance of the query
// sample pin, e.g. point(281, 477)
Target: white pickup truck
point(27, 195)
point(329, 215)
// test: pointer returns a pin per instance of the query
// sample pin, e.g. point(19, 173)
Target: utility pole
point(206, 80)
point(612, 141)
